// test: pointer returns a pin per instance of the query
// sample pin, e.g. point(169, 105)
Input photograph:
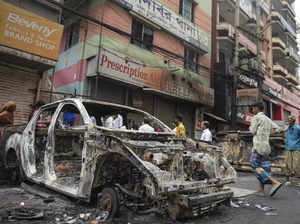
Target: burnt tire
point(16, 173)
point(108, 200)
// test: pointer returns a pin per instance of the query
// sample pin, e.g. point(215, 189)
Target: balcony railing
point(244, 41)
point(293, 79)
point(277, 42)
point(288, 7)
point(247, 6)
point(293, 54)
point(277, 16)
point(278, 69)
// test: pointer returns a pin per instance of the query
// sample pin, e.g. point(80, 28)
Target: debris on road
point(102, 216)
point(241, 202)
point(30, 189)
point(271, 213)
point(232, 204)
point(25, 213)
point(264, 208)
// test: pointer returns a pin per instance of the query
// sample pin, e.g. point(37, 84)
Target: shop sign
point(273, 84)
point(272, 91)
point(251, 93)
point(290, 98)
point(28, 32)
point(118, 66)
point(243, 40)
point(159, 14)
point(248, 81)
point(247, 43)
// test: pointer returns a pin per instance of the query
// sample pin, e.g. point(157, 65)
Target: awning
point(215, 117)
point(275, 102)
point(168, 95)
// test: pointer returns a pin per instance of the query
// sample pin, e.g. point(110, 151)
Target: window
point(187, 9)
point(69, 141)
point(191, 59)
point(142, 35)
point(72, 35)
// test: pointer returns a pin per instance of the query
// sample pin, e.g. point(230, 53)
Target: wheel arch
point(12, 148)
point(100, 165)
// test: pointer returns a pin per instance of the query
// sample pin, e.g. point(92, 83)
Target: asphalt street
point(252, 209)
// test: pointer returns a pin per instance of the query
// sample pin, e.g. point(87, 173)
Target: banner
point(159, 14)
point(28, 32)
point(118, 66)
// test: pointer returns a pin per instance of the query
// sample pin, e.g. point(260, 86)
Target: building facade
point(267, 59)
point(150, 54)
point(285, 59)
point(30, 37)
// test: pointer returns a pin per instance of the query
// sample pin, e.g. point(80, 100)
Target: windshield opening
point(115, 117)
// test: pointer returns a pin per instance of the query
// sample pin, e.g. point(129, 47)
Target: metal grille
point(14, 86)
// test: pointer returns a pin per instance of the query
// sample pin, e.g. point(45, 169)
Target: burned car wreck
point(71, 151)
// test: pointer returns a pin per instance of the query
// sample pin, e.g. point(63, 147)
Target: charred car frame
point(148, 172)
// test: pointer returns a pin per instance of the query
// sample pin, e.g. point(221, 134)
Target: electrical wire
point(114, 29)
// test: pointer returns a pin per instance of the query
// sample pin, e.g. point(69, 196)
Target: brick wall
point(122, 19)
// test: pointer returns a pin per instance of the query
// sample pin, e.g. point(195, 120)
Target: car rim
point(106, 203)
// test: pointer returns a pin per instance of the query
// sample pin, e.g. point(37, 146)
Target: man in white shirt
point(146, 127)
point(109, 122)
point(118, 122)
point(206, 134)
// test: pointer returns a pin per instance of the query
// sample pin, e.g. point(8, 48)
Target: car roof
point(76, 100)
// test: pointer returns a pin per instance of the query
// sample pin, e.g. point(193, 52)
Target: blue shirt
point(293, 138)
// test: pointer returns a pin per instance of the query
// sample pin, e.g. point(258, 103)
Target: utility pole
point(259, 43)
point(235, 65)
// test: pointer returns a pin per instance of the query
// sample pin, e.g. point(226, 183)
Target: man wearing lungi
point(261, 127)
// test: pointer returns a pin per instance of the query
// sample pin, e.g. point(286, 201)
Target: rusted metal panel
point(238, 147)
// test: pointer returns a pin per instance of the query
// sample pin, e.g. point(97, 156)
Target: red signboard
point(116, 65)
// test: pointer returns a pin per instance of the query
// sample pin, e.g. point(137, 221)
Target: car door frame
point(50, 171)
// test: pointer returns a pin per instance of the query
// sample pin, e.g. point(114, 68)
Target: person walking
point(109, 122)
point(180, 130)
point(292, 149)
point(118, 121)
point(146, 126)
point(206, 133)
point(261, 127)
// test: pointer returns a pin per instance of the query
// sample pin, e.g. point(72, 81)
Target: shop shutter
point(166, 110)
point(18, 86)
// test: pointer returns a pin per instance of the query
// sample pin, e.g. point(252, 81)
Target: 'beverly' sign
point(29, 32)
